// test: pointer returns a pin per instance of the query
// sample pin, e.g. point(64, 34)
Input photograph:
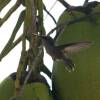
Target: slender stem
point(66, 23)
point(9, 13)
point(21, 68)
point(11, 47)
point(46, 71)
point(16, 42)
point(9, 44)
point(64, 3)
point(29, 28)
point(60, 30)
point(34, 65)
point(3, 3)
point(86, 8)
point(49, 14)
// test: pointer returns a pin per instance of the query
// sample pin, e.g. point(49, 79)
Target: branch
point(46, 71)
point(32, 70)
point(34, 66)
point(9, 13)
point(40, 24)
point(60, 30)
point(11, 47)
point(86, 8)
point(49, 14)
point(16, 42)
point(64, 3)
point(66, 23)
point(16, 28)
point(3, 3)
point(71, 8)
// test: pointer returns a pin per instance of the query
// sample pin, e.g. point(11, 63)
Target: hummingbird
point(61, 52)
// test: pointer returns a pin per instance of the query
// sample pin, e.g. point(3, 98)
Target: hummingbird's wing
point(74, 47)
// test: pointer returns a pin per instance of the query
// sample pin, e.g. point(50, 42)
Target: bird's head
point(48, 40)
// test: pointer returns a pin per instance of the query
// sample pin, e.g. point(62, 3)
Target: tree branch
point(86, 8)
point(33, 69)
point(9, 13)
point(64, 3)
point(66, 23)
point(49, 14)
point(3, 54)
point(8, 46)
point(3, 3)
point(46, 71)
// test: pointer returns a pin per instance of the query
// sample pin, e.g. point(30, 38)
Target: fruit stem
point(9, 13)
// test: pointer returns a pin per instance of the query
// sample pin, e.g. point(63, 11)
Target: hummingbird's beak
point(39, 35)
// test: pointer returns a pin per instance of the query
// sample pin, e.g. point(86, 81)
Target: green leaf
point(3, 3)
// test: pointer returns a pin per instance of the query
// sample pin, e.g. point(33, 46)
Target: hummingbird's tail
point(70, 65)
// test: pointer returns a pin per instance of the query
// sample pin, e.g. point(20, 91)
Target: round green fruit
point(35, 89)
point(84, 82)
point(6, 88)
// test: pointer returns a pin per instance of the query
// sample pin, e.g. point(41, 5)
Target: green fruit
point(6, 88)
point(84, 82)
point(35, 89)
